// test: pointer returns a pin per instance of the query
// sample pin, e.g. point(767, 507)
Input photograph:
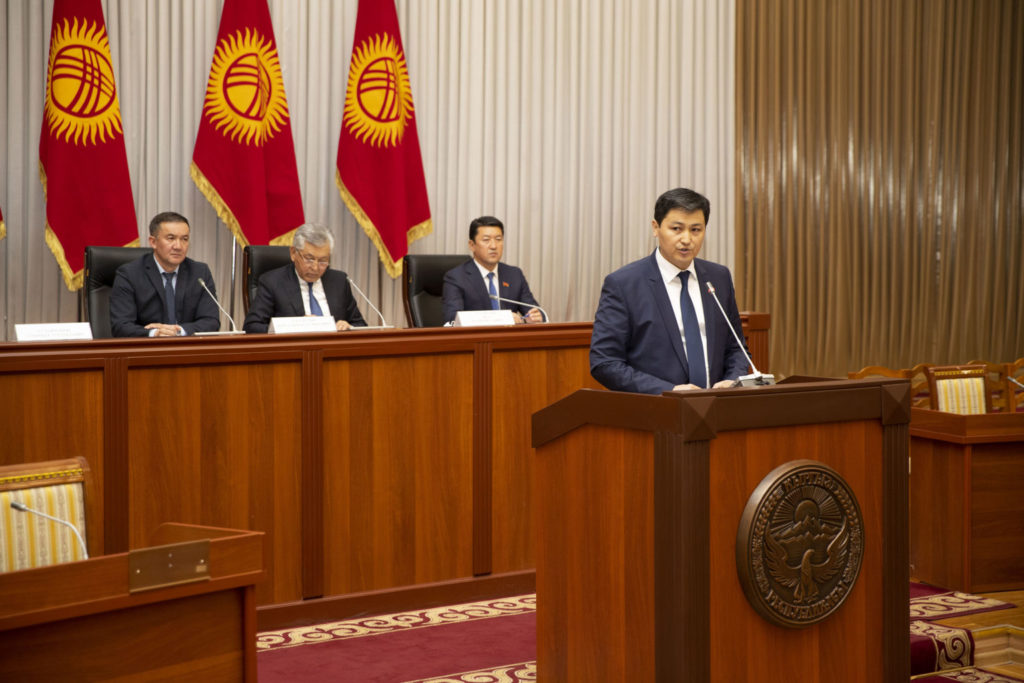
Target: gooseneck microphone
point(234, 327)
point(25, 508)
point(522, 303)
point(755, 378)
point(383, 322)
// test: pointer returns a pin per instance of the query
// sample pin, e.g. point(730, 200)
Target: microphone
point(234, 327)
point(755, 378)
point(523, 303)
point(1015, 382)
point(24, 508)
point(383, 322)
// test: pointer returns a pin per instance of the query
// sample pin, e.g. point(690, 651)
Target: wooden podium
point(127, 617)
point(639, 503)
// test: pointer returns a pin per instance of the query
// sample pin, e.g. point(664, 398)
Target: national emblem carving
point(800, 544)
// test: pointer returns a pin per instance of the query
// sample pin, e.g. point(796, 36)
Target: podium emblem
point(800, 544)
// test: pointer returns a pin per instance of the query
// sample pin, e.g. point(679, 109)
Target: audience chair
point(101, 264)
point(995, 385)
point(920, 394)
point(256, 260)
point(959, 389)
point(422, 282)
point(59, 488)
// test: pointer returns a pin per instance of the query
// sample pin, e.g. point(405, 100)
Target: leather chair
point(59, 488)
point(101, 264)
point(959, 389)
point(256, 260)
point(422, 282)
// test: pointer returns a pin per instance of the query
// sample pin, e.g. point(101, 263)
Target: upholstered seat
point(256, 260)
point(959, 389)
point(59, 488)
point(422, 283)
point(101, 264)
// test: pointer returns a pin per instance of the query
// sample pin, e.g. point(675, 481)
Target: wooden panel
point(220, 445)
point(398, 471)
point(523, 383)
point(52, 415)
point(196, 638)
point(938, 527)
point(745, 646)
point(997, 517)
point(595, 554)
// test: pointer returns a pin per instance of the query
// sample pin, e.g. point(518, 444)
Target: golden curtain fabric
point(880, 203)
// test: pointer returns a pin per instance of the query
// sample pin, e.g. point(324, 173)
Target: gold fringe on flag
point(225, 214)
point(393, 267)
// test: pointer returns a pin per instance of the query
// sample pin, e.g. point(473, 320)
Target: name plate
point(32, 332)
point(484, 318)
point(302, 323)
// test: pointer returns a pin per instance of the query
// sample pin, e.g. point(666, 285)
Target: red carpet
point(488, 641)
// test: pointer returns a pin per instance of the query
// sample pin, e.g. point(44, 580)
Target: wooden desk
point(967, 500)
point(79, 621)
point(373, 461)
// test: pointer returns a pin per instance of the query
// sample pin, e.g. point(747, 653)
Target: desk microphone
point(234, 327)
point(755, 378)
point(383, 322)
point(523, 303)
point(1015, 382)
point(24, 508)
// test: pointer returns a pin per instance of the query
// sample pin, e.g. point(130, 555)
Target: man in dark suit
point(657, 328)
point(159, 295)
point(469, 287)
point(305, 287)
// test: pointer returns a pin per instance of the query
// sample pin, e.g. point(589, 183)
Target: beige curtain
point(880, 202)
point(566, 118)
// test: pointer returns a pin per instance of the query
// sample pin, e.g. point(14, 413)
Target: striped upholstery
point(28, 540)
point(960, 390)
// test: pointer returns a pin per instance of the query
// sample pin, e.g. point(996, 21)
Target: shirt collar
point(160, 269)
point(484, 272)
point(668, 271)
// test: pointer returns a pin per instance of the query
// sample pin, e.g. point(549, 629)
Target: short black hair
point(681, 198)
point(165, 217)
point(484, 222)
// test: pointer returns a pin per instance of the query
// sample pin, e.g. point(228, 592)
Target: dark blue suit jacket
point(465, 290)
point(636, 345)
point(137, 298)
point(278, 295)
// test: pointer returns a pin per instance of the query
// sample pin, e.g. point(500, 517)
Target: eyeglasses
point(310, 260)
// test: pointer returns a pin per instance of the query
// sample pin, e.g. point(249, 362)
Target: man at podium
point(657, 327)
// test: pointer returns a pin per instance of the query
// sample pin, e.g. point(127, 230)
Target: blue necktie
point(314, 305)
point(691, 335)
point(495, 304)
point(169, 298)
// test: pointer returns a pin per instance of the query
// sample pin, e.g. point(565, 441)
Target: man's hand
point(342, 325)
point(724, 384)
point(163, 330)
point(533, 316)
point(685, 387)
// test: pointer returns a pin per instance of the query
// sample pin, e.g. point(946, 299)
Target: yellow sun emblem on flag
point(245, 96)
point(378, 103)
point(81, 100)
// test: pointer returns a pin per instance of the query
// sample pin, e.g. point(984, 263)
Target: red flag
point(82, 162)
point(244, 159)
point(380, 173)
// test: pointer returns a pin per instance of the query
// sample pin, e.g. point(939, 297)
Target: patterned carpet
point(469, 643)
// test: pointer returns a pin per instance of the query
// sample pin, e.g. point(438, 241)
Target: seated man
point(159, 295)
point(307, 287)
point(469, 287)
point(656, 318)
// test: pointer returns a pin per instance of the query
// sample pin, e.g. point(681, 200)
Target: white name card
point(302, 323)
point(484, 318)
point(34, 332)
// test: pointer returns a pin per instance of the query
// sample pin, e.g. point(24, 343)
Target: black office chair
point(256, 260)
point(101, 264)
point(422, 281)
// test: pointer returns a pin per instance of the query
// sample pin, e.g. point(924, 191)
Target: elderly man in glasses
point(306, 287)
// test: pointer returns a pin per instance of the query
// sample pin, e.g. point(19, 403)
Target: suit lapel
point(711, 316)
point(295, 296)
point(664, 306)
point(184, 276)
point(481, 285)
point(157, 280)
